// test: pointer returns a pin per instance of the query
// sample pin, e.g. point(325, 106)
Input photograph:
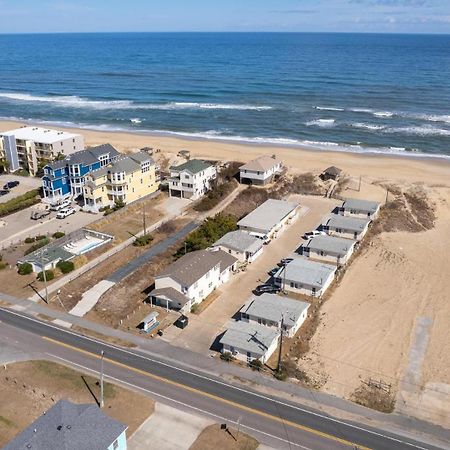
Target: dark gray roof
point(193, 166)
point(141, 157)
point(249, 337)
point(266, 216)
point(194, 265)
point(347, 223)
point(68, 426)
point(240, 241)
point(330, 244)
point(87, 156)
point(305, 271)
point(124, 164)
point(333, 170)
point(361, 205)
point(272, 307)
point(59, 164)
point(170, 294)
point(49, 254)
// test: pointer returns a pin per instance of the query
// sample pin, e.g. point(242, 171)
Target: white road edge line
point(221, 383)
point(178, 402)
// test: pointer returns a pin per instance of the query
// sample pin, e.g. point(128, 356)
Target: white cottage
point(260, 171)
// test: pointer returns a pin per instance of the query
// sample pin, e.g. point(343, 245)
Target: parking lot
point(26, 184)
point(204, 328)
point(20, 225)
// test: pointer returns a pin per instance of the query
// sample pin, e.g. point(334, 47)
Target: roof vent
point(59, 427)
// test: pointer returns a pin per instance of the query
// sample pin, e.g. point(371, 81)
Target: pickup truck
point(40, 212)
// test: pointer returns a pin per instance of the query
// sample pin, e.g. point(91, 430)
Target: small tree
point(49, 275)
point(256, 364)
point(142, 241)
point(227, 356)
point(65, 266)
point(58, 235)
point(25, 269)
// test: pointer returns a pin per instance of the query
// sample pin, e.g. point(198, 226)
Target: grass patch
point(23, 201)
point(374, 397)
point(216, 195)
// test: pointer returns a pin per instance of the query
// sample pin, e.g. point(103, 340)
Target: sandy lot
point(27, 389)
point(213, 437)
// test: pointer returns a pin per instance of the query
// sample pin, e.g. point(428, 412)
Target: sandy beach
point(368, 324)
point(410, 169)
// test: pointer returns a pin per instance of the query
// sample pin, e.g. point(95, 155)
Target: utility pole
point(281, 343)
point(102, 403)
point(185, 247)
point(143, 218)
point(59, 299)
point(284, 278)
point(238, 427)
point(44, 275)
point(359, 186)
point(387, 195)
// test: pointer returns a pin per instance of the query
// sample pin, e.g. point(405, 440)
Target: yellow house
point(127, 179)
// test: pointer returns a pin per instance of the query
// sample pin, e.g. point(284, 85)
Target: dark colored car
point(285, 261)
point(3, 192)
point(10, 185)
point(266, 289)
point(182, 322)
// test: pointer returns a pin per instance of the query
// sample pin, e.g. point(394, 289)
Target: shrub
point(215, 196)
point(29, 240)
point(3, 265)
point(226, 356)
point(39, 237)
point(65, 266)
point(58, 235)
point(25, 269)
point(212, 229)
point(30, 198)
point(142, 241)
point(49, 275)
point(280, 374)
point(256, 364)
point(37, 246)
point(194, 308)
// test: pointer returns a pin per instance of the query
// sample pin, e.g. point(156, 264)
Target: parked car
point(182, 322)
point(273, 271)
point(10, 184)
point(266, 289)
point(285, 261)
point(3, 192)
point(314, 233)
point(59, 206)
point(65, 212)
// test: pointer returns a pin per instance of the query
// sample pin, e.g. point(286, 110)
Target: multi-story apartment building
point(66, 178)
point(30, 147)
point(127, 179)
point(192, 179)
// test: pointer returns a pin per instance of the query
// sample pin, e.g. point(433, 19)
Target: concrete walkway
point(90, 298)
point(169, 429)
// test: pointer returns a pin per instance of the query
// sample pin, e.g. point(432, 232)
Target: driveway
point(26, 184)
point(19, 225)
point(203, 329)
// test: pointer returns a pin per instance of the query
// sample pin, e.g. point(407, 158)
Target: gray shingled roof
point(141, 157)
point(305, 271)
point(124, 164)
point(272, 307)
point(49, 254)
point(348, 223)
point(330, 244)
point(193, 166)
point(361, 205)
point(268, 215)
point(68, 426)
point(261, 164)
point(91, 155)
point(240, 241)
point(194, 265)
point(249, 337)
point(170, 294)
point(333, 170)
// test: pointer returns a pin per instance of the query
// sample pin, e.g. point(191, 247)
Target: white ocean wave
point(73, 101)
point(383, 114)
point(367, 126)
point(324, 123)
point(328, 108)
point(418, 131)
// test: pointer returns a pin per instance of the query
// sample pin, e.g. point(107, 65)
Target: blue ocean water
point(354, 92)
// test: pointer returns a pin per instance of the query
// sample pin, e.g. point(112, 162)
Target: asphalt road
point(273, 421)
point(162, 246)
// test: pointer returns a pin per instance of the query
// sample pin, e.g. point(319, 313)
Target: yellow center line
point(212, 396)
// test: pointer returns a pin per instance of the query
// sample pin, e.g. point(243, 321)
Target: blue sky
point(393, 16)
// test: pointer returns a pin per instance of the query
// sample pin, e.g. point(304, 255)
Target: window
point(115, 444)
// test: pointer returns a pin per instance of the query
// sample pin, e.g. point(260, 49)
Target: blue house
point(66, 178)
point(70, 426)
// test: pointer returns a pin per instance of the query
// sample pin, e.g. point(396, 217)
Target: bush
point(215, 196)
point(49, 275)
point(37, 246)
point(212, 229)
point(3, 265)
point(226, 356)
point(256, 364)
point(39, 237)
point(281, 374)
point(25, 269)
point(58, 235)
point(65, 266)
point(194, 308)
point(142, 241)
point(26, 200)
point(29, 240)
